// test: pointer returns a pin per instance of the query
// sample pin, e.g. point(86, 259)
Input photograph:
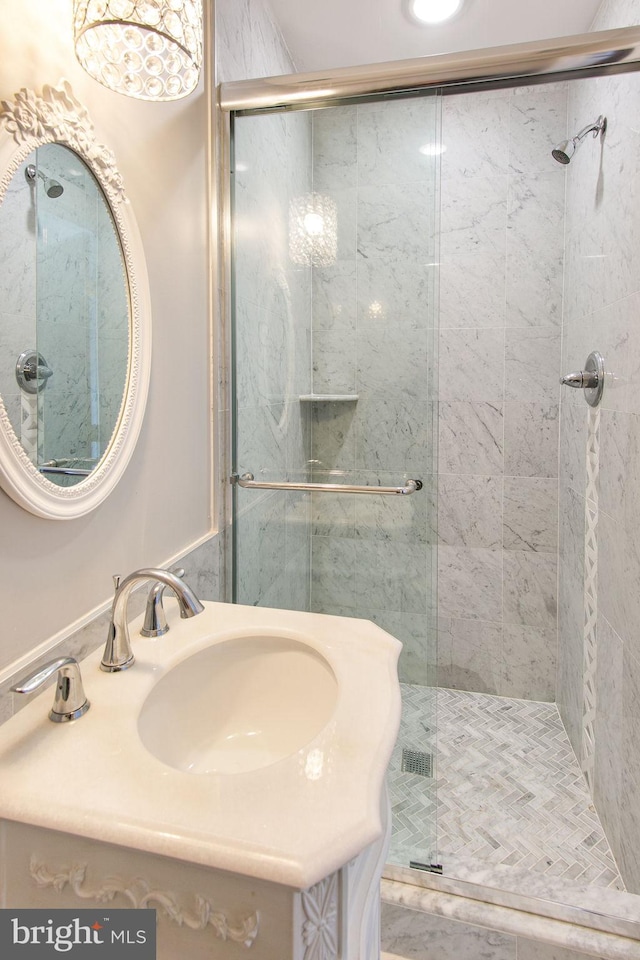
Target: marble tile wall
point(272, 298)
point(501, 219)
point(601, 313)
point(502, 230)
point(373, 335)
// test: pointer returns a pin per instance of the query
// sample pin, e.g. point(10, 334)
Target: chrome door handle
point(247, 481)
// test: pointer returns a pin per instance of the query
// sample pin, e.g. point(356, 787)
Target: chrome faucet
point(117, 652)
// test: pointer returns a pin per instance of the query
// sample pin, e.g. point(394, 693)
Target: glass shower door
point(335, 313)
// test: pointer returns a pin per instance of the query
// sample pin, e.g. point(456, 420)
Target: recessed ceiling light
point(434, 11)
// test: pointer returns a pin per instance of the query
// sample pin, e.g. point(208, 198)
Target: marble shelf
point(329, 398)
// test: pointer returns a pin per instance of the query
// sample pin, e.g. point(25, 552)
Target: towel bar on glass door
point(247, 480)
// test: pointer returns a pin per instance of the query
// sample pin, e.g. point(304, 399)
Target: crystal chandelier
point(313, 230)
point(148, 49)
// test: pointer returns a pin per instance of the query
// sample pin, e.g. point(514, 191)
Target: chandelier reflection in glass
point(147, 49)
point(313, 230)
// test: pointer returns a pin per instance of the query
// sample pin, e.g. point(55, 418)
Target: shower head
point(564, 151)
point(52, 188)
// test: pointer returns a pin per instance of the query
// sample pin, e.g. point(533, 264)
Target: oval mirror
point(74, 310)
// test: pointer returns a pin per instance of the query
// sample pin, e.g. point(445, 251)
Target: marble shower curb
point(509, 920)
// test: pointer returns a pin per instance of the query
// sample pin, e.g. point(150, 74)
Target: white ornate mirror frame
point(27, 122)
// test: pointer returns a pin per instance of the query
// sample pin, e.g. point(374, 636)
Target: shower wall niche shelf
point(329, 398)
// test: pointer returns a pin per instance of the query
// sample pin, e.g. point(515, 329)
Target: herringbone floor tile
point(508, 785)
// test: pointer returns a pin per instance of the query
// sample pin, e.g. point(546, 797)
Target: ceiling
point(322, 34)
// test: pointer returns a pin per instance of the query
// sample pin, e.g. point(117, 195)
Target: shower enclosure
point(412, 273)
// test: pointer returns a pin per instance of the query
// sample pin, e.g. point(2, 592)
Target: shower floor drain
point(416, 761)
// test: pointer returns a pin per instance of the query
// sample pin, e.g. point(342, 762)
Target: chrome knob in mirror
point(32, 371)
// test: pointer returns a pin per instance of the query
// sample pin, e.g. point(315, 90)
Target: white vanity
point(233, 779)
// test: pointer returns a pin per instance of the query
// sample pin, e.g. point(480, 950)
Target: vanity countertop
point(292, 822)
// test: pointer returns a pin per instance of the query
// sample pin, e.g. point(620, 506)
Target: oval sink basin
point(239, 705)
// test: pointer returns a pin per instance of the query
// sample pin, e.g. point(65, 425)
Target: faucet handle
point(70, 701)
point(155, 620)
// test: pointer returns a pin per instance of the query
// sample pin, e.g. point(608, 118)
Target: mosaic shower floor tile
point(509, 789)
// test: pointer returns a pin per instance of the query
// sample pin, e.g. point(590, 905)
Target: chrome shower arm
point(598, 127)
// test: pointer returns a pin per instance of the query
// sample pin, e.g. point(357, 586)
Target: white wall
point(54, 572)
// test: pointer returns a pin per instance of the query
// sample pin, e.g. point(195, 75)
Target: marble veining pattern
point(501, 289)
point(471, 438)
point(509, 789)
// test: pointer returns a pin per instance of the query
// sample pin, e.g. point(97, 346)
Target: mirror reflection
point(64, 314)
